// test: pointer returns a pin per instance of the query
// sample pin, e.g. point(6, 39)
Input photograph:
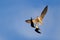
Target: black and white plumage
point(38, 19)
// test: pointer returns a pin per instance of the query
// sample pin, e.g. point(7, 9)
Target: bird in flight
point(35, 22)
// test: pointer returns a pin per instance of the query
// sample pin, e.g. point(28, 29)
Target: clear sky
point(13, 14)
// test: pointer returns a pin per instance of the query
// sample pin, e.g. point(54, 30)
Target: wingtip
point(28, 21)
point(46, 6)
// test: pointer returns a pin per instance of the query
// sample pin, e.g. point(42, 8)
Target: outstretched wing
point(41, 16)
point(31, 22)
point(28, 21)
point(43, 13)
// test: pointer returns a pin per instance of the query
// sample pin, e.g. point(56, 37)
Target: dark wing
point(32, 24)
point(43, 12)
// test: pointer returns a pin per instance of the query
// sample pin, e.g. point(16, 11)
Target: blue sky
point(13, 14)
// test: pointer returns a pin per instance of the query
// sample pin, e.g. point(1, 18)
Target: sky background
point(13, 14)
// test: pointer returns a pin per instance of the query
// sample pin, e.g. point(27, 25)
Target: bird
point(38, 19)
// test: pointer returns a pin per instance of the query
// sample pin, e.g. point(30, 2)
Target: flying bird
point(38, 20)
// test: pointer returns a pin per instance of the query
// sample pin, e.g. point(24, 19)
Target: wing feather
point(28, 21)
point(43, 13)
